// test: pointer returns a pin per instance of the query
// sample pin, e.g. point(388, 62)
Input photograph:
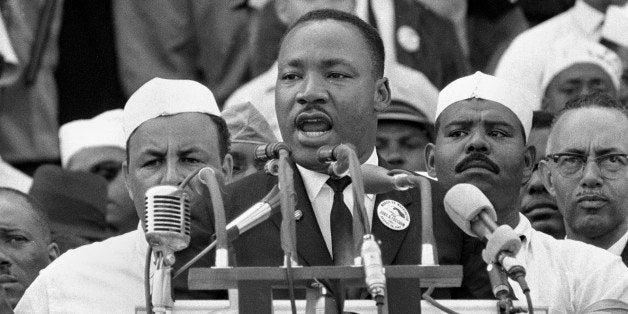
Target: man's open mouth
point(313, 123)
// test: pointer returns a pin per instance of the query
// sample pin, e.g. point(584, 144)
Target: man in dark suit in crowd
point(591, 195)
point(330, 88)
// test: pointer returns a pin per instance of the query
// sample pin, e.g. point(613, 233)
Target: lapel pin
point(298, 214)
point(393, 215)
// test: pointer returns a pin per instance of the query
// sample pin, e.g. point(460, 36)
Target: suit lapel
point(311, 246)
point(624, 255)
point(391, 239)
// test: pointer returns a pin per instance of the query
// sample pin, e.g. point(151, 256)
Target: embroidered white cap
point(163, 97)
point(572, 50)
point(104, 129)
point(488, 87)
point(413, 88)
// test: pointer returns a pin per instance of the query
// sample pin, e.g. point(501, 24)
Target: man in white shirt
point(527, 55)
point(172, 128)
point(587, 170)
point(482, 124)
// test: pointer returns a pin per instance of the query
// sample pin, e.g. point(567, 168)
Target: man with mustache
point(330, 88)
point(482, 123)
point(537, 204)
point(26, 245)
point(587, 170)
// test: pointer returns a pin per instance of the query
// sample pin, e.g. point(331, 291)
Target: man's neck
point(508, 217)
point(604, 241)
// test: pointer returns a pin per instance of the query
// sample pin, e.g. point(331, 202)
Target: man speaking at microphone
point(172, 128)
point(482, 123)
point(330, 87)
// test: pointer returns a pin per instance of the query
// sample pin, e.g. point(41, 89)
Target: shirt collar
point(314, 181)
point(619, 246)
point(587, 17)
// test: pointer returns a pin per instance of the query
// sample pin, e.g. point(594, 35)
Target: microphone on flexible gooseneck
point(167, 220)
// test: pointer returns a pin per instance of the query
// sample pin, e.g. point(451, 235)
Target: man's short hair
point(542, 119)
point(35, 208)
point(593, 100)
point(224, 141)
point(370, 34)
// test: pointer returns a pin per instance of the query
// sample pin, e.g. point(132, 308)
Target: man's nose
point(5, 263)
point(477, 144)
point(312, 91)
point(591, 175)
point(535, 185)
point(173, 174)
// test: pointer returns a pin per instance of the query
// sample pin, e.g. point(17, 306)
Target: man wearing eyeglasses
point(586, 169)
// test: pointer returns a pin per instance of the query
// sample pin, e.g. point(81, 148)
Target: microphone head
point(167, 218)
point(463, 202)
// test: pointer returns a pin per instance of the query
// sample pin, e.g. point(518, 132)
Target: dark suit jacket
point(260, 246)
point(624, 255)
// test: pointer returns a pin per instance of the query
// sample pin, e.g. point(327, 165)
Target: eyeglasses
point(570, 165)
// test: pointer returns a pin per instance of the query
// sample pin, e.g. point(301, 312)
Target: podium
point(255, 284)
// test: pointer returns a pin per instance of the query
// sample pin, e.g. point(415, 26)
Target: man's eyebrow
point(327, 63)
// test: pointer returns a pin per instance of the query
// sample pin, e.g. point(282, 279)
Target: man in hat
point(591, 195)
point(75, 204)
point(172, 128)
point(482, 123)
point(248, 130)
point(537, 204)
point(330, 88)
point(579, 67)
point(404, 129)
point(526, 57)
point(26, 244)
point(97, 145)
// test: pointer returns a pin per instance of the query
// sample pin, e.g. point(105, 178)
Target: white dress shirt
point(524, 60)
point(103, 277)
point(568, 276)
point(322, 197)
point(619, 246)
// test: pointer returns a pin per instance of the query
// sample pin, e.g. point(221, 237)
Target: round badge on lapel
point(393, 215)
point(408, 38)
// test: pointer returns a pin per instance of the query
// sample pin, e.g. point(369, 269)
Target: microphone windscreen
point(463, 202)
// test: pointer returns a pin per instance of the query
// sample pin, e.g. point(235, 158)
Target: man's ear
point(529, 156)
point(53, 251)
point(382, 94)
point(227, 167)
point(282, 10)
point(429, 160)
point(125, 168)
point(546, 176)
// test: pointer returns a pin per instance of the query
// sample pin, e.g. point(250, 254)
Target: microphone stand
point(208, 177)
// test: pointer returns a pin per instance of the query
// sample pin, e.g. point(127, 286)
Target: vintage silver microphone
point(167, 220)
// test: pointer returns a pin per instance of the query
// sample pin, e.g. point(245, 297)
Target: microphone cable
point(149, 303)
point(427, 296)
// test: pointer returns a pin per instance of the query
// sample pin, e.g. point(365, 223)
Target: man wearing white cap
point(524, 60)
point(615, 36)
point(97, 145)
point(172, 128)
point(482, 123)
point(579, 67)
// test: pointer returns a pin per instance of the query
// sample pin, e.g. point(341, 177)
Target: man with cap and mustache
point(482, 123)
point(172, 128)
point(591, 195)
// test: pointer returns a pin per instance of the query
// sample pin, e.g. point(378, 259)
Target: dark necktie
point(341, 223)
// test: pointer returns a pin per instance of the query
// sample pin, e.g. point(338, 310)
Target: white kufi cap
point(488, 87)
point(572, 50)
point(162, 97)
point(104, 129)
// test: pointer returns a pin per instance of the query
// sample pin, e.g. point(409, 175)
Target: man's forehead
point(591, 127)
point(182, 130)
point(476, 110)
point(304, 31)
point(15, 212)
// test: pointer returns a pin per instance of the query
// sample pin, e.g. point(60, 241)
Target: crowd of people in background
point(97, 108)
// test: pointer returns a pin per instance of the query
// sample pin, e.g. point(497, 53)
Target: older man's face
point(106, 161)
point(24, 248)
point(165, 150)
point(592, 204)
point(480, 142)
point(577, 80)
point(327, 91)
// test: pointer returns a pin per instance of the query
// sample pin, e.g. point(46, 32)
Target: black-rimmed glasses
point(570, 165)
